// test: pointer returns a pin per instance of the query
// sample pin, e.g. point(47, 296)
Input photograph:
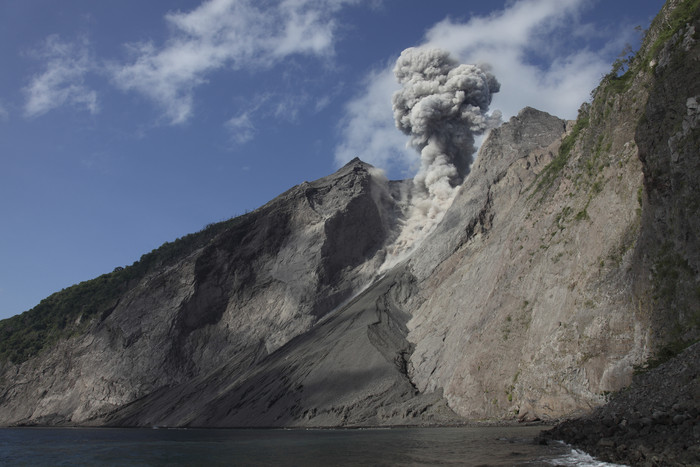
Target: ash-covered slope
point(229, 300)
point(349, 370)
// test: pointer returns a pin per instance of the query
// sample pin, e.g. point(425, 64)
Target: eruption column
point(442, 106)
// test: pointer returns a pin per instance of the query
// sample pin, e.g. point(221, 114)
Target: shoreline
point(654, 421)
point(467, 424)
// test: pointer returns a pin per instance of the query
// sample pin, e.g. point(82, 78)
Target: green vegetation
point(622, 73)
point(551, 172)
point(509, 393)
point(70, 311)
point(640, 195)
point(618, 84)
point(582, 215)
point(629, 65)
point(505, 330)
point(680, 16)
point(60, 315)
point(570, 140)
point(619, 80)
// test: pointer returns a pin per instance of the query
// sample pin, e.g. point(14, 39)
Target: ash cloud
point(442, 106)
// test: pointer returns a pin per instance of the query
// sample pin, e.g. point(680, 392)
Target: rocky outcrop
point(539, 276)
point(656, 421)
point(668, 136)
point(349, 370)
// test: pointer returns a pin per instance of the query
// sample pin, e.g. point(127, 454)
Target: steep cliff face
point(532, 313)
point(569, 257)
point(559, 268)
point(668, 136)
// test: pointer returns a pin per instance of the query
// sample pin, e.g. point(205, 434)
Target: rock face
point(563, 263)
point(656, 421)
point(569, 257)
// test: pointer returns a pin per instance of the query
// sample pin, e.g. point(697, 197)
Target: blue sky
point(127, 124)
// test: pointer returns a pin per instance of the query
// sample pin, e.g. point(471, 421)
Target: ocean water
point(470, 446)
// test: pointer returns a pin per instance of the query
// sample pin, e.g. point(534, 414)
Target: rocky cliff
point(652, 422)
point(568, 258)
point(564, 263)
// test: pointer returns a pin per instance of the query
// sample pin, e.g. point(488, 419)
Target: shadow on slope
point(349, 370)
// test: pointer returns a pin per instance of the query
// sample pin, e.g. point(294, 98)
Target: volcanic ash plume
point(442, 106)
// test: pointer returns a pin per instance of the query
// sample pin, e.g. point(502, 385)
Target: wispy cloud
point(98, 161)
point(63, 80)
point(241, 128)
point(279, 106)
point(321, 103)
point(224, 33)
point(217, 35)
point(531, 48)
point(368, 129)
point(4, 113)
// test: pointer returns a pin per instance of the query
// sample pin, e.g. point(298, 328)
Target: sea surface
point(471, 446)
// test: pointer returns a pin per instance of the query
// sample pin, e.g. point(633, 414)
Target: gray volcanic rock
point(230, 303)
point(349, 370)
point(559, 268)
point(656, 421)
point(506, 149)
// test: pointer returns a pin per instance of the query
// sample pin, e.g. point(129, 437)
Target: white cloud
point(4, 113)
point(225, 33)
point(533, 53)
point(241, 128)
point(288, 106)
point(322, 103)
point(368, 129)
point(537, 49)
point(63, 81)
point(260, 106)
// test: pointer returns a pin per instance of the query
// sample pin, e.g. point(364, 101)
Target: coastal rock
point(659, 407)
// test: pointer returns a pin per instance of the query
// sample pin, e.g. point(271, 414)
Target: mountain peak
point(357, 162)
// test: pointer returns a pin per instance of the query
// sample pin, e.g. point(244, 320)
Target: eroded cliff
point(560, 268)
